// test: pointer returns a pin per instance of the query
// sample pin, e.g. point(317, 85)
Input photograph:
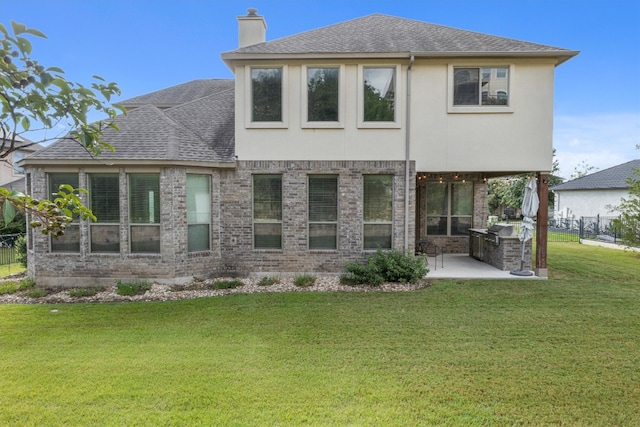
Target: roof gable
point(180, 94)
point(383, 34)
point(615, 177)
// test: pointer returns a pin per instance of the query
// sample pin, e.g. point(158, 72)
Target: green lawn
point(565, 351)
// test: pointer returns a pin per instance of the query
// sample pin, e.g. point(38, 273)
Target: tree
point(581, 170)
point(38, 98)
point(628, 225)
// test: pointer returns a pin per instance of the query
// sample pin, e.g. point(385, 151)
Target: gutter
point(407, 161)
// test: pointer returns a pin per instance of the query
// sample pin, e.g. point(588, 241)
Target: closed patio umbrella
point(530, 203)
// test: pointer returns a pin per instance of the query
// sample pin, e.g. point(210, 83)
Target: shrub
point(21, 251)
point(11, 287)
point(36, 292)
point(268, 281)
point(304, 280)
point(392, 266)
point(132, 288)
point(84, 292)
point(226, 284)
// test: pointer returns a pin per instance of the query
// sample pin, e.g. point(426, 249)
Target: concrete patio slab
point(462, 266)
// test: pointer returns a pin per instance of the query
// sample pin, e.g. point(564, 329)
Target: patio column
point(542, 225)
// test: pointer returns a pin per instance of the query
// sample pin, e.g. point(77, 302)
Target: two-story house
point(327, 145)
point(12, 175)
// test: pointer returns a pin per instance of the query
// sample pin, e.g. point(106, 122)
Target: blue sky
point(146, 45)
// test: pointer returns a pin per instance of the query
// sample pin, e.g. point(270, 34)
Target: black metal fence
point(587, 227)
point(8, 248)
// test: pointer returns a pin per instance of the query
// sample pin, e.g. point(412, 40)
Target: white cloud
point(598, 140)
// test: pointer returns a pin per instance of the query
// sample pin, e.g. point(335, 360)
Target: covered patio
point(462, 266)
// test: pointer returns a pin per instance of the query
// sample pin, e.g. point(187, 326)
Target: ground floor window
point(378, 211)
point(70, 240)
point(198, 212)
point(104, 202)
point(267, 211)
point(144, 212)
point(323, 211)
point(449, 208)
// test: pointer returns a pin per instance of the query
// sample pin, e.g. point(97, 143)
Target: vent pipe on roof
point(252, 28)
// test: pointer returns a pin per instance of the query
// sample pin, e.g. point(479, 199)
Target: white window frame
point(481, 109)
point(397, 123)
point(304, 105)
point(248, 99)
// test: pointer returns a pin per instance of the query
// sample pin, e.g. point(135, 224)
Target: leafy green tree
point(34, 97)
point(628, 225)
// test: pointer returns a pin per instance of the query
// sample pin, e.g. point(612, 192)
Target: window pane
point(378, 198)
point(460, 226)
point(379, 94)
point(323, 198)
point(322, 94)
point(57, 179)
point(466, 86)
point(322, 236)
point(495, 86)
point(68, 242)
point(145, 239)
point(267, 197)
point(267, 235)
point(17, 156)
point(266, 92)
point(437, 194)
point(198, 199)
point(144, 198)
point(462, 198)
point(377, 236)
point(105, 238)
point(437, 225)
point(198, 237)
point(104, 199)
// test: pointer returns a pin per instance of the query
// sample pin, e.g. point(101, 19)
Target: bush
point(11, 287)
point(226, 284)
point(21, 251)
point(268, 281)
point(304, 280)
point(392, 266)
point(132, 288)
point(36, 293)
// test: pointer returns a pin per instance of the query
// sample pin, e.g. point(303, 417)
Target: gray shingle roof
point(201, 130)
point(180, 94)
point(387, 34)
point(613, 178)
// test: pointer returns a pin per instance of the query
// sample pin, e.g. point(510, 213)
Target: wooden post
point(542, 225)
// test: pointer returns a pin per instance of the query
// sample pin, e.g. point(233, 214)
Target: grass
point(565, 351)
point(132, 288)
point(7, 269)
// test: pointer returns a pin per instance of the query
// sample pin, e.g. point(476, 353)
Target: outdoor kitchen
point(500, 246)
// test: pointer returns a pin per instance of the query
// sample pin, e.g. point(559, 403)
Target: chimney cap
point(252, 11)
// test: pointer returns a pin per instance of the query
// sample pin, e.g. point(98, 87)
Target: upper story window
point(17, 156)
point(480, 89)
point(266, 97)
point(323, 102)
point(379, 95)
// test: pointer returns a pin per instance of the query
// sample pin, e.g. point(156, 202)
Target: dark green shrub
point(21, 251)
point(132, 288)
point(268, 281)
point(391, 266)
point(226, 284)
point(304, 280)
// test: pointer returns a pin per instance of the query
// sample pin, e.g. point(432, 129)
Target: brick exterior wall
point(231, 251)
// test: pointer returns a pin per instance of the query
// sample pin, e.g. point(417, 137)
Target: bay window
point(144, 212)
point(104, 202)
point(198, 212)
point(70, 240)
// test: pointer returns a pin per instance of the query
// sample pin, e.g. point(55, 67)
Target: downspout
point(407, 153)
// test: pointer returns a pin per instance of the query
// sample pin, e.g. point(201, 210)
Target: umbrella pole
point(522, 271)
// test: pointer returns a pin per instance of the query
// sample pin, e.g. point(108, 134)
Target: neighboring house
point(372, 133)
point(11, 170)
point(594, 194)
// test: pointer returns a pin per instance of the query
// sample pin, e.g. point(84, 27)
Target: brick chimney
point(252, 28)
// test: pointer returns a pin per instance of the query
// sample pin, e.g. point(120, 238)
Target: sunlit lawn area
point(565, 351)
